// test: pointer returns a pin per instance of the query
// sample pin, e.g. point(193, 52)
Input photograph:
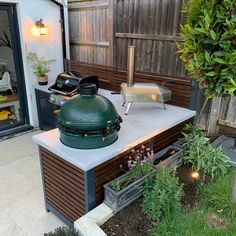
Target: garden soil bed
point(131, 221)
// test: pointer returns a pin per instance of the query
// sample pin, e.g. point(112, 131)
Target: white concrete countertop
point(144, 121)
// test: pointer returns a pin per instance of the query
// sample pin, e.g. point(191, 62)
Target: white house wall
point(49, 46)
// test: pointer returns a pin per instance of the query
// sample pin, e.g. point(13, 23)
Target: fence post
point(212, 124)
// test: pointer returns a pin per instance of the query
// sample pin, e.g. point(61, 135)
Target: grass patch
point(218, 195)
point(214, 215)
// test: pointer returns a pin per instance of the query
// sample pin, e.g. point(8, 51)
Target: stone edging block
point(88, 225)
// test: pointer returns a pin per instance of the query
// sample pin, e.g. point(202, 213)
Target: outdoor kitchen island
point(73, 179)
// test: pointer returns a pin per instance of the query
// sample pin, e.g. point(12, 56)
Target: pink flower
point(129, 163)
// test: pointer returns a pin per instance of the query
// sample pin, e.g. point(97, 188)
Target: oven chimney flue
point(130, 66)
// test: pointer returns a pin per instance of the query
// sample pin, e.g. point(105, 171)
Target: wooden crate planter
point(173, 161)
point(119, 200)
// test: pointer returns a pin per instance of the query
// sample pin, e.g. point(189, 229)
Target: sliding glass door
point(13, 103)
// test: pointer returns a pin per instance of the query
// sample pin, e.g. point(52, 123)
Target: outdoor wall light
point(39, 28)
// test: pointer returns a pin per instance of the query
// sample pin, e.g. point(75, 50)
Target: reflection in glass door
point(13, 112)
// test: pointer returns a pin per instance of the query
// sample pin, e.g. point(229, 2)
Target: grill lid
point(88, 112)
point(66, 84)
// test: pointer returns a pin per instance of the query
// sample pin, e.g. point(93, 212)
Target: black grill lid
point(68, 84)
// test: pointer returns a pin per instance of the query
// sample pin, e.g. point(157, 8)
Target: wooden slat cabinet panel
point(64, 186)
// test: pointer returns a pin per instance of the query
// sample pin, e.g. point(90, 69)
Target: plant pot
point(118, 200)
point(179, 143)
point(170, 161)
point(42, 80)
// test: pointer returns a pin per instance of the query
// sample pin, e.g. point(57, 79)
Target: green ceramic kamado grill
point(88, 120)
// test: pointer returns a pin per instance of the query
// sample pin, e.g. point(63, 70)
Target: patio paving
point(22, 211)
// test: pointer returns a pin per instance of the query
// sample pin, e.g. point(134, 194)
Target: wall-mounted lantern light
point(39, 28)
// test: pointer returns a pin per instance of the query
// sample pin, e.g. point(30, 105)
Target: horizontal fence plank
point(228, 123)
point(90, 43)
point(95, 6)
point(148, 37)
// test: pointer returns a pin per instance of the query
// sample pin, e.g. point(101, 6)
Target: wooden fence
point(153, 27)
point(101, 30)
point(220, 116)
point(91, 31)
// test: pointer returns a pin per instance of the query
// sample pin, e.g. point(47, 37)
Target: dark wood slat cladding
point(61, 177)
point(70, 195)
point(62, 169)
point(61, 210)
point(71, 208)
point(60, 206)
point(111, 78)
point(111, 169)
point(63, 185)
point(65, 164)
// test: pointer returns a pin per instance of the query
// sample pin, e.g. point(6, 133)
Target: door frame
point(11, 9)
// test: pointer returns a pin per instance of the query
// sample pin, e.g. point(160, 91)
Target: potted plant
point(143, 164)
point(40, 67)
point(125, 189)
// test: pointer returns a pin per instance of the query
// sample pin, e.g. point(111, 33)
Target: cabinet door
point(46, 109)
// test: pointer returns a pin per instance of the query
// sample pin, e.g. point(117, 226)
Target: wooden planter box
point(118, 200)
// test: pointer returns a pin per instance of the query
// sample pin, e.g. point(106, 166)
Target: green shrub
point(209, 44)
point(203, 157)
point(162, 196)
point(62, 231)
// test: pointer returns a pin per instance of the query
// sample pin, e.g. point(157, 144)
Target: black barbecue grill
point(67, 85)
point(88, 120)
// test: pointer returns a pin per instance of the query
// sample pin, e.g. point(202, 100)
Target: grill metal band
point(102, 132)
